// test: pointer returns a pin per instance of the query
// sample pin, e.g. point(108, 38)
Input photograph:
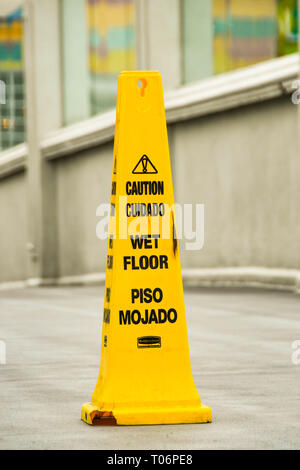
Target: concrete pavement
point(240, 343)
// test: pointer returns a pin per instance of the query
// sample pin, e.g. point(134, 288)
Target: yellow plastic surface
point(145, 374)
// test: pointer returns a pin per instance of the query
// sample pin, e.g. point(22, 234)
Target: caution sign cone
point(145, 373)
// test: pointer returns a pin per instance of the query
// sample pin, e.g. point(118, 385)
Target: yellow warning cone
point(145, 373)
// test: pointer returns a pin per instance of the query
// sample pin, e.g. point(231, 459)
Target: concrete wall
point(13, 228)
point(242, 164)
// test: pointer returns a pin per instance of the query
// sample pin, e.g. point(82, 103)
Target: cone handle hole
point(142, 83)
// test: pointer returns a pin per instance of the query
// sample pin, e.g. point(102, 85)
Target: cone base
point(92, 415)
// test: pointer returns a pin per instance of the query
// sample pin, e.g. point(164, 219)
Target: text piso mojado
point(135, 219)
point(155, 459)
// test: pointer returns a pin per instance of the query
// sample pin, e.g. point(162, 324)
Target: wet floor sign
point(145, 374)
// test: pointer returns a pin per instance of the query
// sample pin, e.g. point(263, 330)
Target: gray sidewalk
point(240, 343)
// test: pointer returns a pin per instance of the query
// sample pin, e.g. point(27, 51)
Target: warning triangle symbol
point(144, 167)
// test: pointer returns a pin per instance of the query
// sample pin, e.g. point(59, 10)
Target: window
point(12, 106)
point(98, 43)
point(229, 34)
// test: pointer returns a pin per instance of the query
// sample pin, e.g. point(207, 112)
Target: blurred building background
point(229, 69)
